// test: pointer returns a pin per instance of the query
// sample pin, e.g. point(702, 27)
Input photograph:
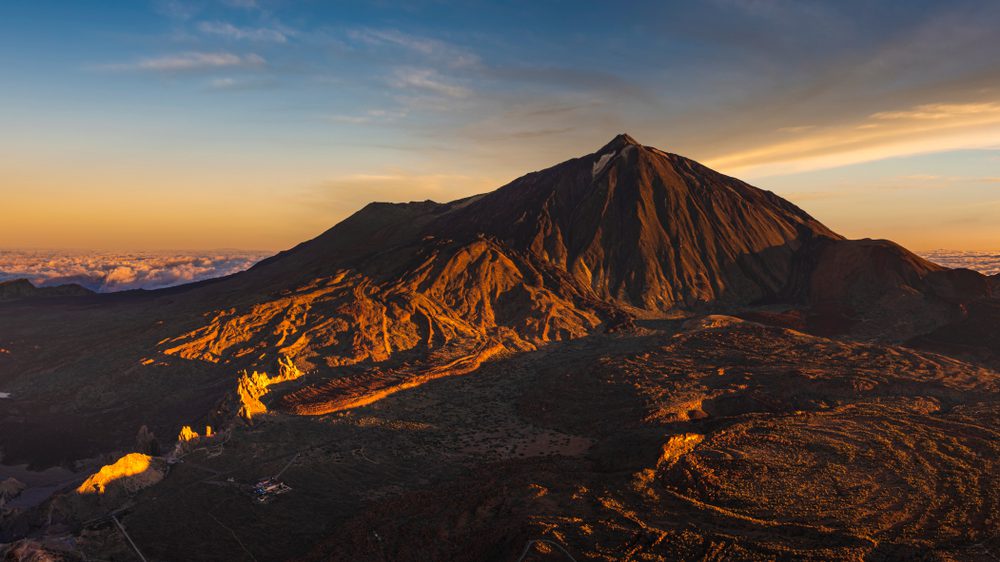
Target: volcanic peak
point(619, 142)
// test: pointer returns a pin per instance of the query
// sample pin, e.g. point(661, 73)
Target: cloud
point(431, 49)
point(108, 272)
point(937, 111)
point(224, 83)
point(192, 61)
point(535, 133)
point(370, 116)
point(346, 194)
point(230, 31)
point(244, 4)
point(923, 128)
point(608, 84)
point(797, 129)
point(799, 197)
point(175, 9)
point(428, 80)
point(229, 83)
point(351, 119)
point(984, 262)
point(940, 181)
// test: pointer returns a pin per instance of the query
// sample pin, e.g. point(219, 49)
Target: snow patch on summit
point(601, 163)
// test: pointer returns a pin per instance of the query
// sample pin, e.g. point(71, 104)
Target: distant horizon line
point(107, 250)
point(155, 250)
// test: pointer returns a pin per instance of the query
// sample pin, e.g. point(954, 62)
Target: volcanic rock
point(16, 289)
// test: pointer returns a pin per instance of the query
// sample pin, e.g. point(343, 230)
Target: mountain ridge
point(16, 289)
point(551, 255)
point(579, 248)
point(626, 352)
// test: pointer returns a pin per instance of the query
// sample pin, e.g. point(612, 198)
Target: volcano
point(628, 225)
point(584, 355)
point(590, 244)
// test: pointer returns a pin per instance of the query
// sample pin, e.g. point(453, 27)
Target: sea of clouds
point(983, 262)
point(121, 271)
point(108, 271)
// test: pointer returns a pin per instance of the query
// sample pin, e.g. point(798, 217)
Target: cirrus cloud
point(923, 128)
point(427, 80)
point(191, 61)
point(230, 31)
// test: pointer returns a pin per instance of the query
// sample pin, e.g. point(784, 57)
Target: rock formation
point(146, 442)
point(627, 354)
point(251, 387)
point(10, 489)
point(130, 473)
point(17, 289)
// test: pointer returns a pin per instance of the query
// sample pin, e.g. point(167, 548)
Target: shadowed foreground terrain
point(628, 355)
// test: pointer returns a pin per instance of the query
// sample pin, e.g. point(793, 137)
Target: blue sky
point(259, 123)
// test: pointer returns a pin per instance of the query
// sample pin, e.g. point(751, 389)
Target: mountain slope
point(16, 289)
point(650, 230)
point(400, 294)
point(552, 255)
point(532, 362)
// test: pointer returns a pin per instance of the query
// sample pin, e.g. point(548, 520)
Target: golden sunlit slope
point(401, 294)
point(716, 439)
point(132, 472)
point(626, 231)
point(627, 354)
point(552, 255)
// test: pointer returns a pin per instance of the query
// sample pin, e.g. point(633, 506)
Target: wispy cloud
point(223, 83)
point(230, 31)
point(344, 195)
point(350, 119)
point(942, 180)
point(431, 49)
point(922, 128)
point(176, 9)
point(938, 111)
point(191, 61)
point(244, 4)
point(796, 129)
point(370, 116)
point(428, 80)
point(229, 83)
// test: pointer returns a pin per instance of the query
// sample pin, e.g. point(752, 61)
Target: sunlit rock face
point(253, 386)
point(249, 390)
point(585, 246)
point(628, 353)
point(397, 291)
point(555, 255)
point(187, 434)
point(130, 473)
point(649, 230)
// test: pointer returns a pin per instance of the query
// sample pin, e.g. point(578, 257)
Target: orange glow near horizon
point(230, 127)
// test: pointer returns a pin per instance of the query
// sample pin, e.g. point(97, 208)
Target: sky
point(256, 124)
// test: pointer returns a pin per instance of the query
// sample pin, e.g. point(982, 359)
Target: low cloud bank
point(983, 262)
point(107, 272)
